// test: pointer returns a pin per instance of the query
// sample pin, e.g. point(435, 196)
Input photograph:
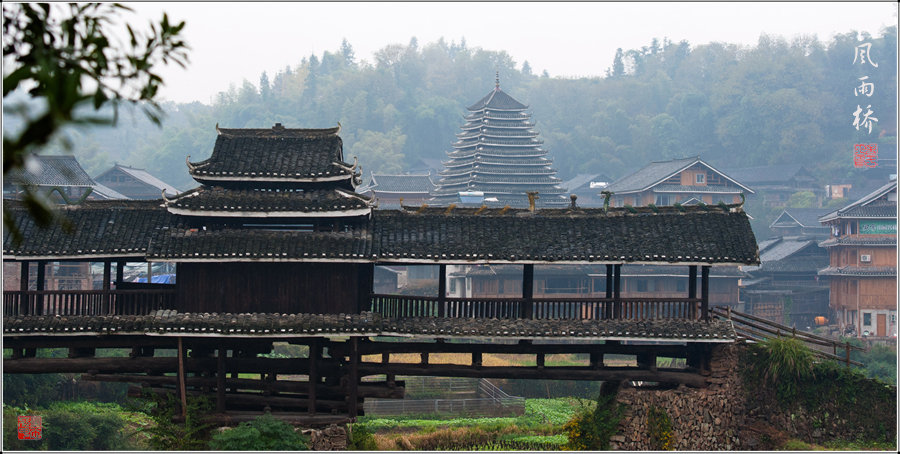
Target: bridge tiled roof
point(93, 229)
point(211, 199)
point(365, 324)
point(691, 235)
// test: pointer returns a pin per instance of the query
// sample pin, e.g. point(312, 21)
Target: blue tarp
point(159, 279)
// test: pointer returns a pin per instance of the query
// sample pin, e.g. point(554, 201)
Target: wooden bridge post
point(442, 290)
point(104, 306)
point(23, 288)
point(39, 300)
point(181, 385)
point(704, 303)
point(315, 351)
point(607, 311)
point(617, 291)
point(220, 380)
point(692, 290)
point(366, 279)
point(527, 291)
point(353, 383)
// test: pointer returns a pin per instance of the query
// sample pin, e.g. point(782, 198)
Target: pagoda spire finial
point(497, 81)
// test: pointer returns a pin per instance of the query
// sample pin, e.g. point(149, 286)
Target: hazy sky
point(235, 41)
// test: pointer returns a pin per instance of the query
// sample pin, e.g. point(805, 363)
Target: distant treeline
point(776, 102)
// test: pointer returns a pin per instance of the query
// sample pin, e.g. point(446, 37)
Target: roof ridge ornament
point(497, 81)
point(187, 159)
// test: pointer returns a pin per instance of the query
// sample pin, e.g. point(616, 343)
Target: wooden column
point(527, 291)
point(366, 279)
point(704, 285)
point(608, 313)
point(353, 383)
point(181, 384)
point(120, 273)
point(23, 287)
point(315, 351)
point(149, 272)
point(39, 300)
point(220, 380)
point(692, 289)
point(617, 291)
point(107, 265)
point(442, 290)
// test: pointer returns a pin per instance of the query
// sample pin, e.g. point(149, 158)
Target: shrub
point(71, 426)
point(264, 433)
point(360, 439)
point(659, 429)
point(782, 362)
point(592, 429)
point(165, 434)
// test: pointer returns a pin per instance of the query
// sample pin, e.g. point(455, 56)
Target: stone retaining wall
point(702, 419)
point(721, 417)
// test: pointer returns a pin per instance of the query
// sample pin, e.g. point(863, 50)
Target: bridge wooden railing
point(87, 302)
point(402, 306)
point(757, 329)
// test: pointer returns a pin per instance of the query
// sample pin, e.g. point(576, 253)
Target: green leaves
point(64, 57)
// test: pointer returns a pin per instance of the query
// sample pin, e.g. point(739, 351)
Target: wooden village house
point(390, 191)
point(775, 184)
point(135, 183)
point(684, 181)
point(862, 268)
point(275, 245)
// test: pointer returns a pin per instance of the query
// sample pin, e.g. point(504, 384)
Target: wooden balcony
point(87, 302)
point(402, 306)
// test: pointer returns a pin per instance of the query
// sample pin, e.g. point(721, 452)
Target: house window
point(700, 178)
point(642, 285)
point(867, 319)
point(452, 285)
point(681, 285)
point(663, 199)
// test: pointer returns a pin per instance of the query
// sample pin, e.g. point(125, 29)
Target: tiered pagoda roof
point(273, 173)
point(499, 154)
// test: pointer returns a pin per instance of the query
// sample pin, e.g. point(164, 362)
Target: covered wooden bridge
point(270, 249)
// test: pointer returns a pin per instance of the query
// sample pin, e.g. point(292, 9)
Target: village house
point(776, 183)
point(863, 264)
point(135, 183)
point(794, 222)
point(786, 288)
point(684, 181)
point(390, 191)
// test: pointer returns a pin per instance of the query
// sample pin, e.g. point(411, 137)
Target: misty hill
point(777, 102)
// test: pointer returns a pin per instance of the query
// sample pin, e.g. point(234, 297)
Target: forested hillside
point(776, 102)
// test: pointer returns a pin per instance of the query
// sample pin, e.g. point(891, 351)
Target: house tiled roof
point(808, 264)
point(698, 189)
point(108, 228)
point(193, 245)
point(401, 183)
point(873, 205)
point(762, 175)
point(366, 324)
point(655, 173)
point(208, 200)
point(860, 241)
point(804, 217)
point(865, 271)
point(276, 154)
point(51, 171)
point(145, 177)
point(585, 235)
